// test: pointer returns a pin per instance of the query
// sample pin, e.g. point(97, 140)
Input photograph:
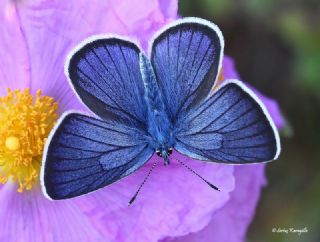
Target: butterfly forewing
point(106, 75)
point(186, 58)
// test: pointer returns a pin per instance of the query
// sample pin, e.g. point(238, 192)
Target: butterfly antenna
point(203, 179)
point(144, 181)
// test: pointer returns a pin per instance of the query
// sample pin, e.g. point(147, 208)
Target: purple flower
point(35, 38)
point(230, 223)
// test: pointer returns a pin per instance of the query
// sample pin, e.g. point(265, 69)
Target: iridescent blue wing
point(105, 73)
point(186, 58)
point(231, 126)
point(84, 154)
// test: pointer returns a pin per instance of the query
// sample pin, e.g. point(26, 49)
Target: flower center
point(25, 123)
point(12, 143)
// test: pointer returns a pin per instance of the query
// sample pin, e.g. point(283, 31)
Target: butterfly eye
point(158, 153)
point(170, 151)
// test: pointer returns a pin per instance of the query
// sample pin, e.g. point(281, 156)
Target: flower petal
point(14, 62)
point(169, 8)
point(173, 202)
point(53, 28)
point(231, 222)
point(29, 217)
point(229, 71)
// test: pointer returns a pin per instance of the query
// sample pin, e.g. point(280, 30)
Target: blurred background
point(276, 48)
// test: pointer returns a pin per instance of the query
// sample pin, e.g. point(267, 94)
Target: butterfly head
point(164, 153)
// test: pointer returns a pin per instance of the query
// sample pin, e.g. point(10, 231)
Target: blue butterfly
point(149, 104)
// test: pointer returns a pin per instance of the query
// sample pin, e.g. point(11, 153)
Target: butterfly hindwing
point(105, 73)
point(231, 126)
point(85, 154)
point(186, 58)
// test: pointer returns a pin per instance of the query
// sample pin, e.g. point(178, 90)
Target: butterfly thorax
point(159, 125)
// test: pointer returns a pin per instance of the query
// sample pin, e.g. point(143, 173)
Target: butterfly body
point(152, 103)
point(160, 128)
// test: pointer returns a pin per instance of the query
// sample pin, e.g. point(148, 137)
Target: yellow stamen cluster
point(25, 123)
